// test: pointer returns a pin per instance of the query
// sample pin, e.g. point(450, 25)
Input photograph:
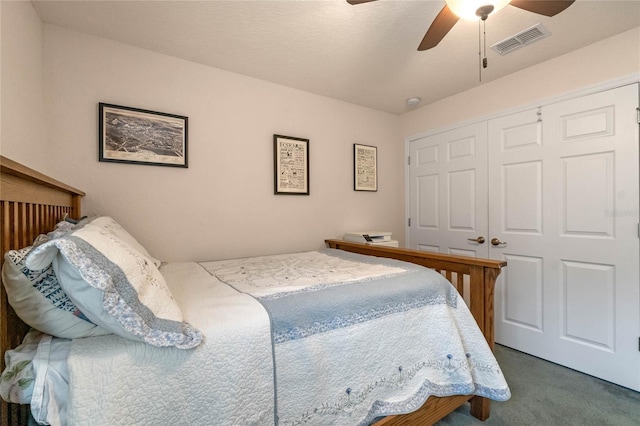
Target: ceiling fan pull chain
point(482, 45)
point(479, 52)
point(484, 60)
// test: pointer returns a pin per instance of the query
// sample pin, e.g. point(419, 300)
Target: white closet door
point(448, 192)
point(563, 199)
point(516, 175)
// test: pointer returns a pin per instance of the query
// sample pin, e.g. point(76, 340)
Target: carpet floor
point(547, 394)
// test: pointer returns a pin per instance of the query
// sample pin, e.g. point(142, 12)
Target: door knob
point(479, 240)
point(497, 242)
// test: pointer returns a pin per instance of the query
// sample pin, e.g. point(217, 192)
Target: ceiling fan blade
point(439, 28)
point(542, 7)
point(358, 1)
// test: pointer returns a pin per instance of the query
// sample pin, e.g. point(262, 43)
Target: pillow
point(111, 226)
point(63, 227)
point(40, 302)
point(18, 378)
point(116, 287)
point(37, 373)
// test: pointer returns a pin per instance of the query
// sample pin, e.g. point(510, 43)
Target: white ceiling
point(365, 54)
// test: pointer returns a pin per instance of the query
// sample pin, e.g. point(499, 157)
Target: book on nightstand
point(377, 238)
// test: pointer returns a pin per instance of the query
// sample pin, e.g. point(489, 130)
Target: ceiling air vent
point(523, 38)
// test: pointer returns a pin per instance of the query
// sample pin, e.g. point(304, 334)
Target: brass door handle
point(479, 240)
point(497, 242)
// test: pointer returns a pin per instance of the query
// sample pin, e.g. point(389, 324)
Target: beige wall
point(616, 57)
point(222, 205)
point(22, 114)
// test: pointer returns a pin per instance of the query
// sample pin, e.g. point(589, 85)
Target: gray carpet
point(546, 394)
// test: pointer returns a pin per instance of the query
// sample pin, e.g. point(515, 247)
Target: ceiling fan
point(474, 9)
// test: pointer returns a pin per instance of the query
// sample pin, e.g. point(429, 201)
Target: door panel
point(428, 212)
point(585, 216)
point(522, 303)
point(589, 287)
point(448, 201)
point(557, 187)
point(518, 194)
point(571, 290)
point(461, 199)
point(597, 245)
point(522, 187)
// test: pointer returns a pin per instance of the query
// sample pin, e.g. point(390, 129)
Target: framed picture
point(138, 136)
point(365, 168)
point(291, 165)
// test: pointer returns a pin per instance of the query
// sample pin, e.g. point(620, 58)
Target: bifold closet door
point(563, 204)
point(448, 192)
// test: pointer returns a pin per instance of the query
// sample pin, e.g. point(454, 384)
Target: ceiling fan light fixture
point(469, 9)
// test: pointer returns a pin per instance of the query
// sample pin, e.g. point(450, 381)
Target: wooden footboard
point(30, 204)
point(476, 275)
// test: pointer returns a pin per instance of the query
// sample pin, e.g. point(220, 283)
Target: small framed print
point(138, 136)
point(365, 168)
point(291, 165)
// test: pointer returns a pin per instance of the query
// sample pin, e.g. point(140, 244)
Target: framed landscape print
point(365, 168)
point(291, 165)
point(138, 136)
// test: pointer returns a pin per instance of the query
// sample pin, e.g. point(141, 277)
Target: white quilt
point(116, 381)
point(319, 338)
point(357, 337)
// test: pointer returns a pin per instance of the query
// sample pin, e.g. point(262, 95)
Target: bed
point(34, 204)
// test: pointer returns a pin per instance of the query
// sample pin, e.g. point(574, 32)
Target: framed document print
point(138, 136)
point(291, 165)
point(365, 168)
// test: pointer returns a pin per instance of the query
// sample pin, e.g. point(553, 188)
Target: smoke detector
point(522, 39)
point(411, 102)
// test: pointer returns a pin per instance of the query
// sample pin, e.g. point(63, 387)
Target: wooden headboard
point(30, 204)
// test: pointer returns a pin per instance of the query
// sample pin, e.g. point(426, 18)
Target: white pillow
point(111, 226)
point(116, 286)
point(40, 302)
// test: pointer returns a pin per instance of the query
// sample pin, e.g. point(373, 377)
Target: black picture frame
point(365, 168)
point(139, 136)
point(290, 165)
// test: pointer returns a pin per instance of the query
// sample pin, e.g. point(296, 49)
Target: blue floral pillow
point(40, 302)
